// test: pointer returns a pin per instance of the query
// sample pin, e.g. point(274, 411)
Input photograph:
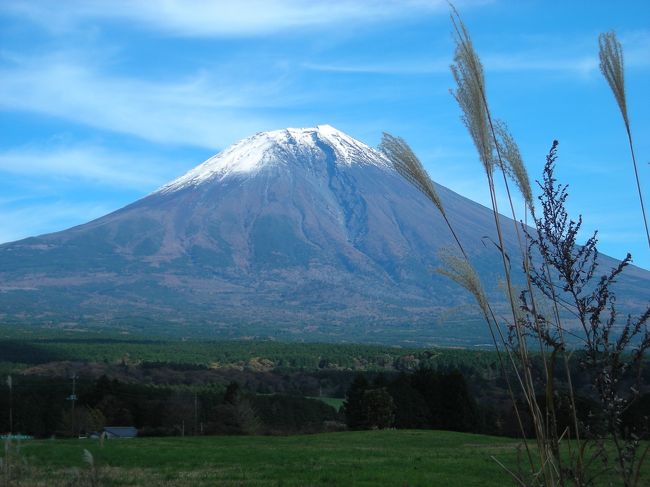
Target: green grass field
point(370, 458)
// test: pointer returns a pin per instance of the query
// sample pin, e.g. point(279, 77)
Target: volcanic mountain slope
point(292, 230)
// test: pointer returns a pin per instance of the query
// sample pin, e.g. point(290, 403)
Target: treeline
point(269, 403)
point(174, 388)
point(44, 407)
point(257, 355)
point(427, 399)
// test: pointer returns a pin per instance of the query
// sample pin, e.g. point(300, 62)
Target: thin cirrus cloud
point(35, 219)
point(579, 65)
point(636, 45)
point(194, 111)
point(228, 18)
point(40, 202)
point(398, 68)
point(83, 163)
point(494, 63)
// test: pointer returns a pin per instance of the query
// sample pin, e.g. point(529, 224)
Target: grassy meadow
point(369, 458)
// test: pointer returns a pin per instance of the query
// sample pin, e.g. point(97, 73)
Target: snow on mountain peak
point(263, 149)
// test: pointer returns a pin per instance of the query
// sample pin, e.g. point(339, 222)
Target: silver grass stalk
point(512, 162)
point(407, 164)
point(459, 270)
point(468, 73)
point(611, 65)
point(502, 285)
point(471, 97)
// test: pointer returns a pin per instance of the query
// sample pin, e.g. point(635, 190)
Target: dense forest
point(43, 407)
point(252, 354)
point(67, 386)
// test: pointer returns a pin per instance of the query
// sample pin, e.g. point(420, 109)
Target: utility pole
point(10, 384)
point(196, 415)
point(73, 397)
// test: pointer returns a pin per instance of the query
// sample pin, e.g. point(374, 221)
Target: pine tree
point(354, 406)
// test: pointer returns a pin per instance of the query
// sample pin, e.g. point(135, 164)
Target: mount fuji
point(296, 233)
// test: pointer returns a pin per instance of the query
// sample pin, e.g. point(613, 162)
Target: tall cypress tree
point(356, 415)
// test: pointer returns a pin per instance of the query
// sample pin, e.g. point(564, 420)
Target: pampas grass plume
point(461, 271)
point(513, 164)
point(470, 92)
point(611, 65)
point(407, 164)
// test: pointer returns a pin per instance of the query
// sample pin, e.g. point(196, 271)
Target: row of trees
point(251, 355)
point(42, 407)
point(423, 399)
point(426, 398)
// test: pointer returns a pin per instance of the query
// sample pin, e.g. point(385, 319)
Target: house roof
point(122, 431)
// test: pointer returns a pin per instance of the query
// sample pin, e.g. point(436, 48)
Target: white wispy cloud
point(581, 60)
point(84, 162)
point(197, 110)
point(36, 219)
point(577, 55)
point(521, 62)
point(492, 62)
point(198, 18)
point(396, 68)
point(49, 184)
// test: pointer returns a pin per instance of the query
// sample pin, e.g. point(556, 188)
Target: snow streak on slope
point(261, 150)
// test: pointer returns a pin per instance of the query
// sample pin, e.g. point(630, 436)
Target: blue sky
point(103, 101)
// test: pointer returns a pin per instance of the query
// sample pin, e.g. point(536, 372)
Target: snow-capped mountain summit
point(265, 149)
point(296, 233)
